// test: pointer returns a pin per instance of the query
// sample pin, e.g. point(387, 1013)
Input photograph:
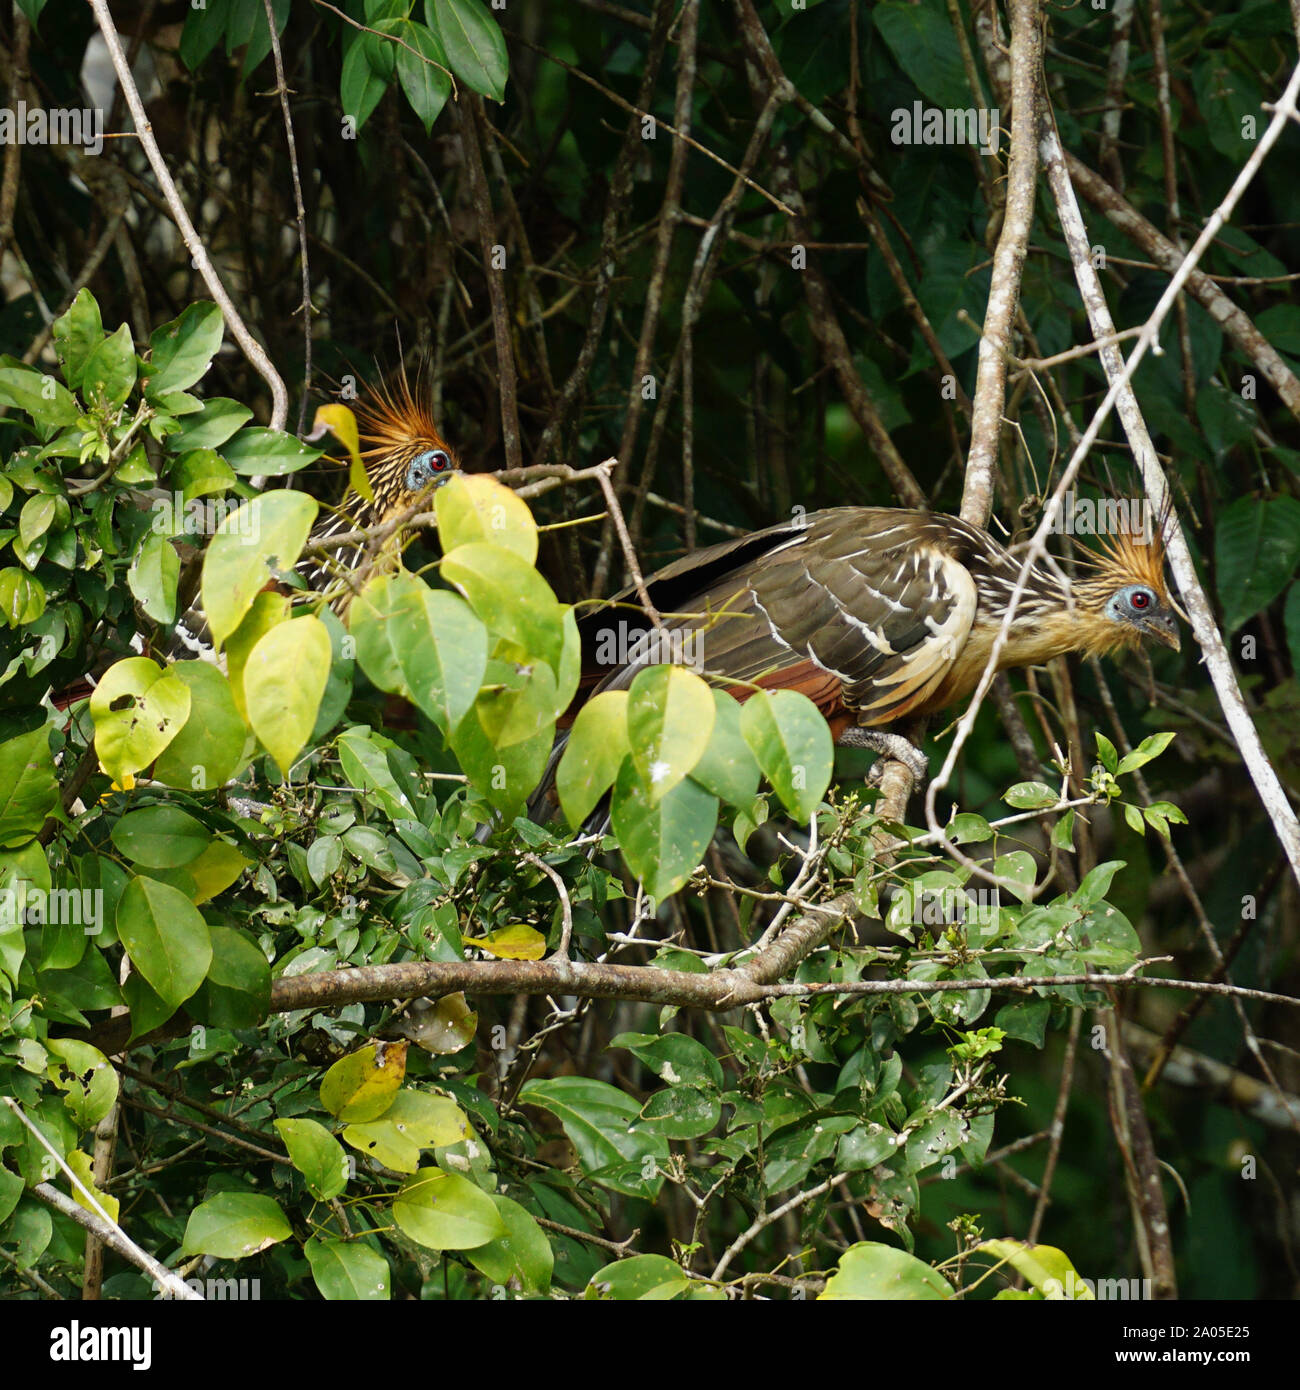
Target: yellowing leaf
point(413, 1122)
point(138, 709)
point(81, 1164)
point(216, 869)
point(362, 1085)
point(515, 942)
point(342, 424)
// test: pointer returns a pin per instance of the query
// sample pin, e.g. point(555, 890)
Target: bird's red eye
point(1141, 599)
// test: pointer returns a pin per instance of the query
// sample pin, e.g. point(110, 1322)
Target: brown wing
point(862, 609)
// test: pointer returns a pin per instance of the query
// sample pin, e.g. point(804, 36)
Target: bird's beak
point(1164, 628)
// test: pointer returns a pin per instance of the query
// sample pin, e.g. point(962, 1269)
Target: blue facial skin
point(427, 467)
point(1140, 607)
point(1132, 604)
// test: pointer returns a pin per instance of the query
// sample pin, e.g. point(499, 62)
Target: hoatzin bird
point(881, 615)
point(404, 456)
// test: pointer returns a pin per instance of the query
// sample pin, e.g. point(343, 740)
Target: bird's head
point(402, 449)
point(1124, 598)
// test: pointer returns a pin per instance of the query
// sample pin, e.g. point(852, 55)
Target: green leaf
point(22, 597)
point(593, 755)
point(675, 1058)
point(108, 374)
point(348, 1271)
point(522, 1253)
point(237, 990)
point(475, 507)
point(427, 84)
point(670, 714)
point(1019, 867)
point(642, 1278)
point(1063, 831)
point(284, 681)
point(442, 1211)
point(361, 87)
point(1096, 882)
point(1133, 815)
point(260, 541)
point(28, 790)
point(598, 1120)
point(154, 574)
point(235, 1225)
point(1030, 796)
point(414, 1121)
point(967, 828)
point(182, 351)
point(1106, 752)
point(210, 745)
point(160, 837)
point(77, 333)
point(210, 427)
point(509, 596)
point(1047, 1269)
point(84, 1074)
point(504, 775)
point(1256, 551)
point(870, 1270)
point(681, 1112)
point(474, 44)
point(792, 743)
point(365, 766)
point(165, 937)
point(47, 401)
point(256, 449)
point(1150, 747)
point(439, 646)
point(727, 767)
point(259, 37)
point(662, 838)
point(925, 47)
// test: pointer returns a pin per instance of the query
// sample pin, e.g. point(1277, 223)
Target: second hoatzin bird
point(881, 615)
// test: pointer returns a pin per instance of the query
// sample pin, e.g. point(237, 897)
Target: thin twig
point(252, 349)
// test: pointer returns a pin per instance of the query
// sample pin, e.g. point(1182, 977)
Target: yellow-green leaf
point(363, 1085)
point(138, 708)
point(475, 507)
point(515, 942)
point(284, 680)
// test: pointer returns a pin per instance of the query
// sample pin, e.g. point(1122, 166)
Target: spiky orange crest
point(1127, 555)
point(395, 427)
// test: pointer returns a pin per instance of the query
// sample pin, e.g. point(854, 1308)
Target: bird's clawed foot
point(889, 746)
